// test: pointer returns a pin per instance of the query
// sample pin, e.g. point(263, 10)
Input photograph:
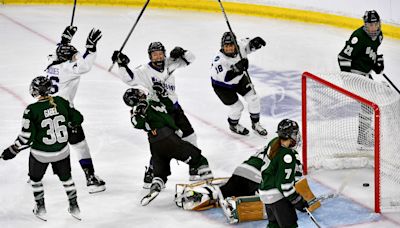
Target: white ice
point(120, 152)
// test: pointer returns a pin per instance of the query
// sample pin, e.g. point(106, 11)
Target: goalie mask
point(65, 52)
point(156, 52)
point(40, 86)
point(372, 24)
point(228, 44)
point(289, 129)
point(132, 96)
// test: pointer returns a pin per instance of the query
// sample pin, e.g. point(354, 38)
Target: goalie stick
point(130, 32)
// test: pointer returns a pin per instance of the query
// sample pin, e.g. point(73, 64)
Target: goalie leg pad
point(249, 208)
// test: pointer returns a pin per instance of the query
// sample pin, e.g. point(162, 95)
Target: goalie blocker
point(204, 195)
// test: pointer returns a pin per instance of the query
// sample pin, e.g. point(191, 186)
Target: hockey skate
point(238, 129)
point(194, 175)
point(148, 177)
point(74, 209)
point(154, 191)
point(94, 183)
point(40, 210)
point(258, 129)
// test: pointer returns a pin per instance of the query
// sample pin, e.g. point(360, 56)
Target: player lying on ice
point(238, 196)
point(165, 144)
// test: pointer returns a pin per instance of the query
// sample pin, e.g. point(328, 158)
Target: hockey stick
point(130, 32)
point(235, 42)
point(322, 198)
point(73, 13)
point(391, 83)
point(312, 218)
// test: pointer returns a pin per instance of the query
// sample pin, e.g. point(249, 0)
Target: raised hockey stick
point(313, 218)
point(235, 42)
point(73, 13)
point(391, 83)
point(130, 32)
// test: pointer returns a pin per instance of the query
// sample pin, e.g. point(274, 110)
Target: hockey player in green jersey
point(165, 144)
point(278, 178)
point(360, 54)
point(44, 130)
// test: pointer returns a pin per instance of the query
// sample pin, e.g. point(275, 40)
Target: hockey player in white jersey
point(228, 79)
point(64, 70)
point(157, 77)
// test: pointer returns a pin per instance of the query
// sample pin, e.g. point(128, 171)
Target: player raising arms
point(44, 129)
point(65, 70)
point(157, 76)
point(228, 79)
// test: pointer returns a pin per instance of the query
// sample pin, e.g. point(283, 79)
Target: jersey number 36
point(56, 132)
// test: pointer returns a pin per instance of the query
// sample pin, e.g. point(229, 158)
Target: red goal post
point(342, 121)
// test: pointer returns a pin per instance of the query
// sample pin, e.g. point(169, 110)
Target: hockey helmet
point(65, 52)
point(40, 86)
point(228, 38)
point(157, 46)
point(372, 23)
point(132, 96)
point(289, 129)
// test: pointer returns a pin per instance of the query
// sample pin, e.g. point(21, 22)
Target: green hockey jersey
point(156, 116)
point(44, 128)
point(360, 52)
point(279, 175)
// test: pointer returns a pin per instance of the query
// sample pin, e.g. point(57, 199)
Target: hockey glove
point(301, 204)
point(91, 42)
point(120, 58)
point(160, 89)
point(177, 52)
point(9, 153)
point(141, 108)
point(378, 67)
point(241, 66)
point(68, 33)
point(257, 43)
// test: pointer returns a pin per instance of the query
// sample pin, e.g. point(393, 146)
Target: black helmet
point(40, 86)
point(155, 46)
point(371, 16)
point(228, 38)
point(65, 52)
point(132, 96)
point(288, 129)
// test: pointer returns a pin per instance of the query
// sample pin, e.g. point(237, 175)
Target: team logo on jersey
point(216, 58)
point(287, 158)
point(354, 40)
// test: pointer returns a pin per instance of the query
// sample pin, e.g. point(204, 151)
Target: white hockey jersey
point(221, 64)
point(65, 76)
point(146, 75)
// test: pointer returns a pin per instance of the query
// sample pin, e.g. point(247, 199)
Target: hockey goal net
point(351, 121)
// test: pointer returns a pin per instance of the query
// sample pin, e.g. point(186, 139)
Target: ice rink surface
point(120, 152)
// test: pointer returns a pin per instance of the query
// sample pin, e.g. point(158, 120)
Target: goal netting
point(351, 121)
